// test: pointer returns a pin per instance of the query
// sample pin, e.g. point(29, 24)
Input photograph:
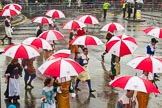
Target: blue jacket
point(150, 50)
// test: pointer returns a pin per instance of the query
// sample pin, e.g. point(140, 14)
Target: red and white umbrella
point(55, 13)
point(9, 12)
point(88, 19)
point(121, 45)
point(134, 83)
point(111, 27)
point(146, 63)
point(86, 40)
point(73, 24)
point(21, 51)
point(154, 31)
point(13, 6)
point(64, 53)
point(38, 42)
point(51, 35)
point(42, 20)
point(61, 67)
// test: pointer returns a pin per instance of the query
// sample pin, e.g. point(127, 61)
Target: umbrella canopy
point(42, 20)
point(38, 42)
point(13, 6)
point(111, 27)
point(86, 40)
point(55, 13)
point(154, 31)
point(61, 67)
point(146, 63)
point(21, 51)
point(134, 83)
point(88, 19)
point(73, 24)
point(9, 12)
point(64, 53)
point(121, 45)
point(51, 35)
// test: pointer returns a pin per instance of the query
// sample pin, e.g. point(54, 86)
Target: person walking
point(108, 37)
point(142, 97)
point(127, 100)
point(105, 8)
point(48, 94)
point(124, 7)
point(12, 74)
point(115, 66)
point(84, 76)
point(8, 30)
point(30, 72)
point(129, 10)
point(64, 90)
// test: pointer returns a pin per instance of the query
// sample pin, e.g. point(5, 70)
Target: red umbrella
point(13, 6)
point(154, 31)
point(111, 27)
point(121, 45)
point(21, 51)
point(86, 40)
point(42, 20)
point(64, 53)
point(73, 24)
point(38, 42)
point(9, 12)
point(55, 13)
point(51, 35)
point(61, 67)
point(147, 63)
point(88, 19)
point(134, 83)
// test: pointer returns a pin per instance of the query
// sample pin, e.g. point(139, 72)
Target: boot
point(76, 86)
point(29, 84)
point(89, 86)
point(26, 84)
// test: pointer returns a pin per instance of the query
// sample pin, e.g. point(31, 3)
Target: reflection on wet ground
point(105, 96)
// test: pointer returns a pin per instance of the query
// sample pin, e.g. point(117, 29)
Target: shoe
point(112, 77)
point(92, 95)
point(30, 85)
point(92, 90)
point(77, 89)
point(102, 56)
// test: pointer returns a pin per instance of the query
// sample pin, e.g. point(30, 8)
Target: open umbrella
point(61, 67)
point(111, 27)
point(73, 24)
point(51, 35)
point(147, 63)
point(21, 51)
point(42, 20)
point(64, 53)
point(13, 6)
point(9, 12)
point(88, 19)
point(134, 83)
point(38, 42)
point(121, 45)
point(55, 13)
point(86, 40)
point(154, 31)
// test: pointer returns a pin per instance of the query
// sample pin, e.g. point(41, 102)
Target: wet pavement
point(104, 97)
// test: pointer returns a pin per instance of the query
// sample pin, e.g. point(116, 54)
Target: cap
point(11, 106)
point(154, 40)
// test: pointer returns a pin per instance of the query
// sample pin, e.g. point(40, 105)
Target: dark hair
point(47, 81)
point(85, 49)
point(13, 61)
point(154, 40)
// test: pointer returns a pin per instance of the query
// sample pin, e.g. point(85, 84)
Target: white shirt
point(149, 77)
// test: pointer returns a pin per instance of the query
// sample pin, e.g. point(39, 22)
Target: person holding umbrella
point(84, 76)
point(8, 29)
point(12, 74)
point(127, 100)
point(142, 97)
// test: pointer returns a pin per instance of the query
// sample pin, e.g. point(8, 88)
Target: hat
point(11, 106)
point(154, 40)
